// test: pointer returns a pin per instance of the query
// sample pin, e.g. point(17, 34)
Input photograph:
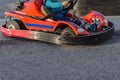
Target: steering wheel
point(70, 5)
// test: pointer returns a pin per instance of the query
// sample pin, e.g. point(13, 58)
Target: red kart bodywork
point(19, 33)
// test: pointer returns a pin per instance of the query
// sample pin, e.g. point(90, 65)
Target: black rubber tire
point(67, 32)
point(14, 24)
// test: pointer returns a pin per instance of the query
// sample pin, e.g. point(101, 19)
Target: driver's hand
point(65, 3)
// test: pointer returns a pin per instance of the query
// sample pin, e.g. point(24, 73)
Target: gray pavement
point(34, 60)
point(22, 59)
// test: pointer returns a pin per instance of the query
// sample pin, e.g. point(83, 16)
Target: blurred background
point(107, 7)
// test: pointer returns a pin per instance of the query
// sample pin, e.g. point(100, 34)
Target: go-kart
point(32, 20)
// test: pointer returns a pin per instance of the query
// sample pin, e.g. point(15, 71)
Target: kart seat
point(44, 10)
point(41, 7)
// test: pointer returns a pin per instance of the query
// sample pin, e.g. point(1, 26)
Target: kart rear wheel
point(13, 24)
point(67, 32)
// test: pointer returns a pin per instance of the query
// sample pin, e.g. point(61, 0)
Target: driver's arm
point(52, 4)
point(65, 3)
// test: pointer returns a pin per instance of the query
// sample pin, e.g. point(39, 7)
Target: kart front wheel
point(13, 24)
point(67, 32)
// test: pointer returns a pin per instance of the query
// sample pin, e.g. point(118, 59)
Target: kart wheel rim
point(11, 27)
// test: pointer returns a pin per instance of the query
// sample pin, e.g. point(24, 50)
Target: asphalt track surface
point(22, 59)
